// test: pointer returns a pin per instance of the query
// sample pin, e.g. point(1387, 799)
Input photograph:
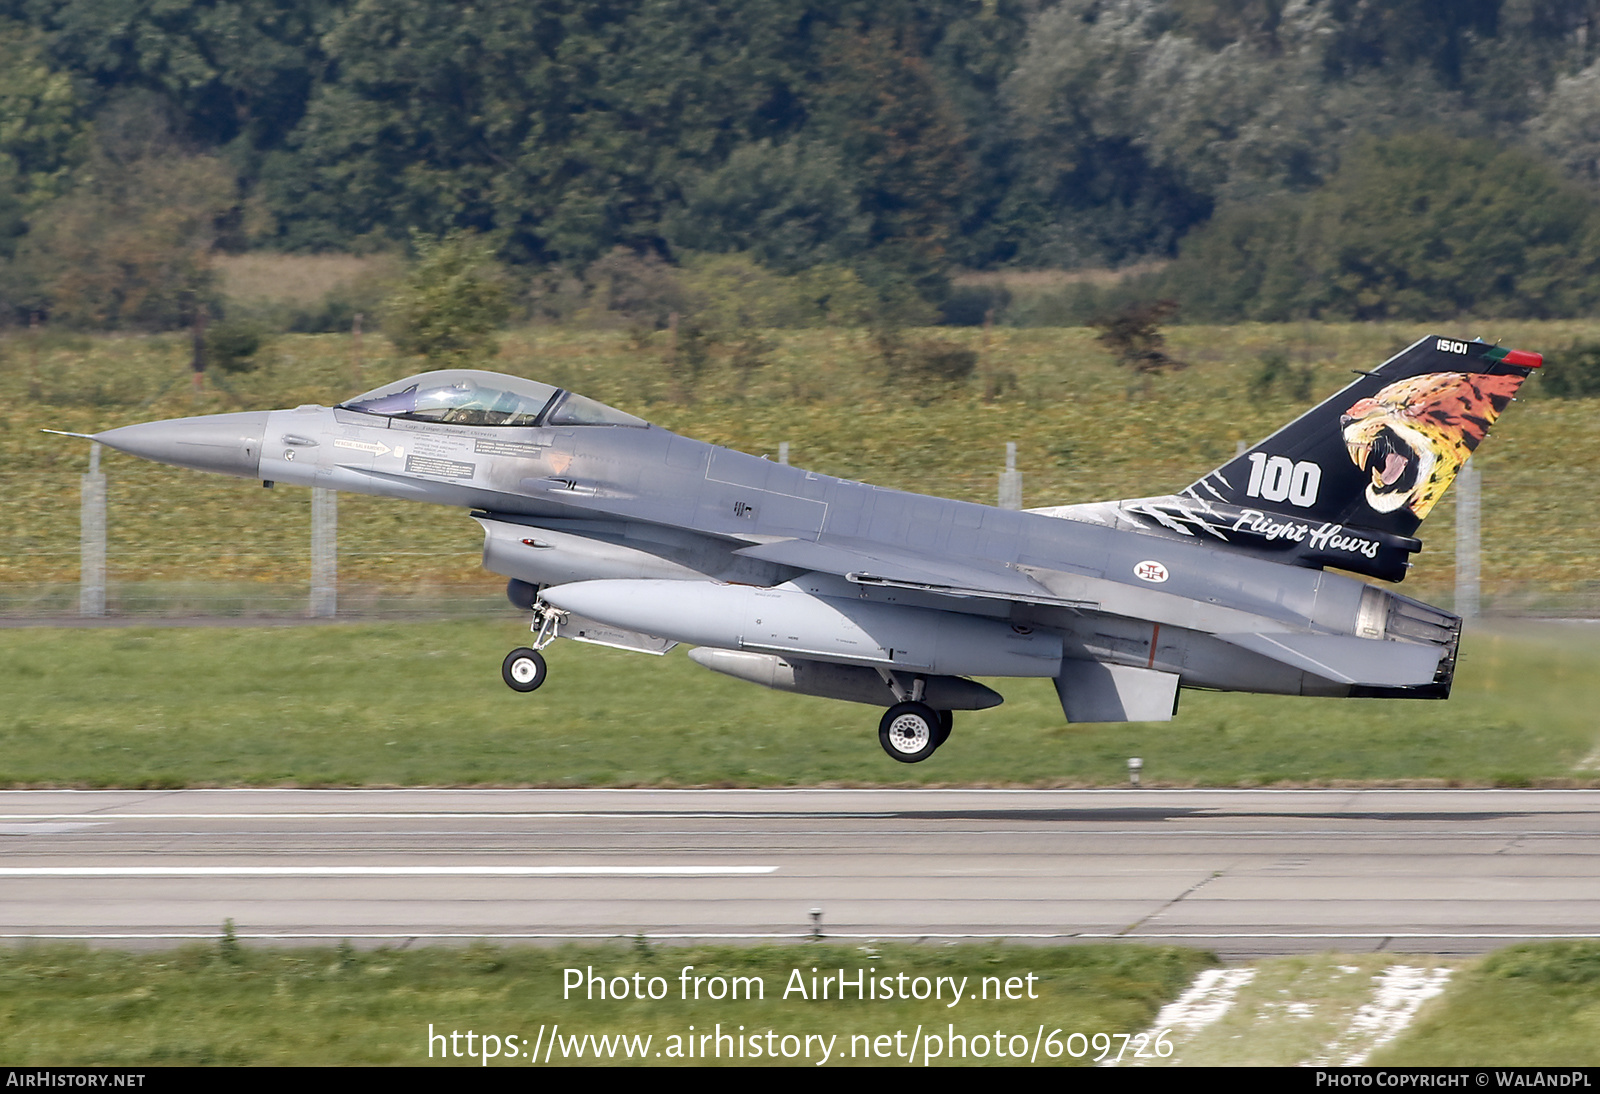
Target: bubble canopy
point(471, 397)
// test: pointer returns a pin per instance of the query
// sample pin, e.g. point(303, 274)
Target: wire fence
point(146, 542)
point(180, 544)
point(23, 601)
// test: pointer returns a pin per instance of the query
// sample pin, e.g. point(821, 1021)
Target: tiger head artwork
point(1414, 435)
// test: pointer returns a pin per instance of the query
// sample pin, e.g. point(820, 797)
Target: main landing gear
point(911, 732)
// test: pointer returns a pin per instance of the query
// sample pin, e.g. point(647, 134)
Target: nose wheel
point(911, 732)
point(523, 669)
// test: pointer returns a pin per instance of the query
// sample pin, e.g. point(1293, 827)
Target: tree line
point(1337, 158)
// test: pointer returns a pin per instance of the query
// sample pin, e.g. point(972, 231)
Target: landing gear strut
point(524, 668)
point(911, 730)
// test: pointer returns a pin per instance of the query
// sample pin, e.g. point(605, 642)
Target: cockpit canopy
point(462, 396)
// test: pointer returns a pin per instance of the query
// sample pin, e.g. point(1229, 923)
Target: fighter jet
point(618, 532)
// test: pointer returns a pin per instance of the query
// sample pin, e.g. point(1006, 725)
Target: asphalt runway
point(1244, 873)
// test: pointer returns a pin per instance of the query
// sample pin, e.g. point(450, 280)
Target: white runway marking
point(101, 818)
point(383, 871)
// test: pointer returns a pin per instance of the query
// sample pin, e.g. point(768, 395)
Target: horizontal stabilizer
point(1093, 691)
point(1348, 660)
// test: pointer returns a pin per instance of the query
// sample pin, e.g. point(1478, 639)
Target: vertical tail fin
point(1361, 470)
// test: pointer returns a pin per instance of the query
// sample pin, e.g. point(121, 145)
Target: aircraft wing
point(863, 562)
point(867, 563)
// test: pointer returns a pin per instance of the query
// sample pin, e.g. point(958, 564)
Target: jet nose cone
point(229, 444)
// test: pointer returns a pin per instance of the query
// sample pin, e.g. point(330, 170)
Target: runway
point(1244, 873)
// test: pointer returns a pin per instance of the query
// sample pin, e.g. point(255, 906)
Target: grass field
point(228, 1005)
point(423, 704)
point(1085, 431)
point(1533, 1005)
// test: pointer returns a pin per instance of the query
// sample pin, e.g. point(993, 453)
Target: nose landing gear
point(524, 669)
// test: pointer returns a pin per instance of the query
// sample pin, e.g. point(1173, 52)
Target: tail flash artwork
point(1380, 453)
point(1347, 483)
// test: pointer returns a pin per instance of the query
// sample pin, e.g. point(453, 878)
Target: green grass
point(233, 1005)
point(1535, 1005)
point(423, 704)
point(1085, 432)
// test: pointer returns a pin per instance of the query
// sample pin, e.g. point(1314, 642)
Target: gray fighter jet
point(618, 532)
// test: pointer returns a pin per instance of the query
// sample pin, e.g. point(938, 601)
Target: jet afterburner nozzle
point(229, 444)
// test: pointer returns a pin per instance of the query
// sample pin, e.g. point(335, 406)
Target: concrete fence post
point(1469, 546)
point(1011, 480)
point(324, 552)
point(92, 540)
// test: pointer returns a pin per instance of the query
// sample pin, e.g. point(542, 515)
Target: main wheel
point(947, 721)
point(523, 669)
point(909, 732)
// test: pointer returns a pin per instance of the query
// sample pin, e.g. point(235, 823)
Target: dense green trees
point(122, 232)
point(239, 72)
point(791, 206)
point(898, 139)
point(41, 130)
point(1410, 227)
